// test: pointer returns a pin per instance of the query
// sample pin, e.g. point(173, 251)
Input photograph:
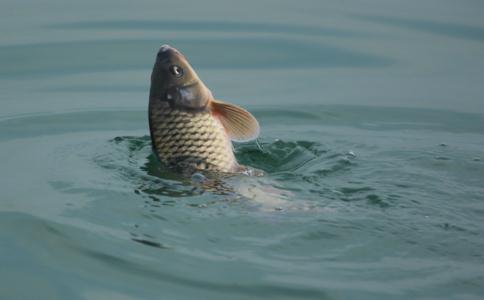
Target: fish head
point(174, 81)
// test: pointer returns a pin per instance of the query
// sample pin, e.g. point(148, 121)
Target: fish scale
point(190, 139)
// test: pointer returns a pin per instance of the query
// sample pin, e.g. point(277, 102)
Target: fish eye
point(177, 71)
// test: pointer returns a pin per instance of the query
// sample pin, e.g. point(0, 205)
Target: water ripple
point(57, 59)
point(209, 26)
point(449, 29)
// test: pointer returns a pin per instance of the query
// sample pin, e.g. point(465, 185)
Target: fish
point(191, 130)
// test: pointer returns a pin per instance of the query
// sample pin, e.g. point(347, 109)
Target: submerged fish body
point(190, 130)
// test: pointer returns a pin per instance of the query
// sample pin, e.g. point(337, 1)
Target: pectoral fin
point(241, 126)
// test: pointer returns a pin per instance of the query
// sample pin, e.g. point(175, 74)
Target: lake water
point(372, 117)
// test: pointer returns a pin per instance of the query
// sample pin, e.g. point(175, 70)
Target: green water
point(372, 142)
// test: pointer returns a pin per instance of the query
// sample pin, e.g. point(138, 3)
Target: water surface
point(372, 143)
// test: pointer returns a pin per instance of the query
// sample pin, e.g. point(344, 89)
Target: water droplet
point(198, 178)
point(351, 154)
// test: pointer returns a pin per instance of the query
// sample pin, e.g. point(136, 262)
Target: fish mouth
point(167, 52)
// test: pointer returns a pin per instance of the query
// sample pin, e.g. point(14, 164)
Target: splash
point(281, 175)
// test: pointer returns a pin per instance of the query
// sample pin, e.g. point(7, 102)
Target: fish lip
point(165, 47)
point(166, 52)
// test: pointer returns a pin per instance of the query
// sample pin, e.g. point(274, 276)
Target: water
point(372, 142)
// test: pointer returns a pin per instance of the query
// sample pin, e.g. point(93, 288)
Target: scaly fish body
point(190, 130)
point(194, 140)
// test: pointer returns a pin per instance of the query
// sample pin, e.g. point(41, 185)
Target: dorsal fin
point(241, 125)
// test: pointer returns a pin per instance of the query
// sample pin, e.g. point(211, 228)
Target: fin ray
point(241, 125)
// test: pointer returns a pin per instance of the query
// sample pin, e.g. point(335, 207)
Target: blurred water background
point(372, 117)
